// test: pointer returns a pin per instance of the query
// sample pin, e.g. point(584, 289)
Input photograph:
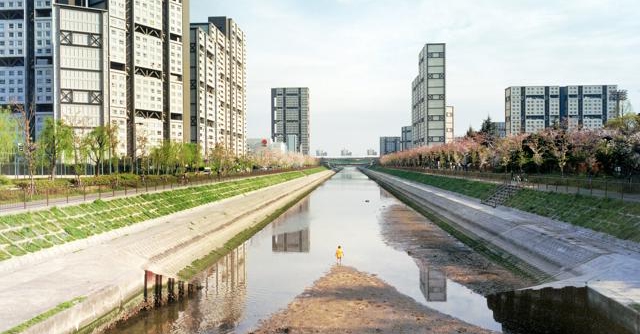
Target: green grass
point(32, 231)
point(470, 188)
point(635, 306)
point(612, 216)
point(41, 317)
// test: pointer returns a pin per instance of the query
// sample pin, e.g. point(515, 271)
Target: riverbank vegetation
point(32, 231)
point(612, 151)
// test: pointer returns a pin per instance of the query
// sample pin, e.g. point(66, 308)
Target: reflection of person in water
point(339, 254)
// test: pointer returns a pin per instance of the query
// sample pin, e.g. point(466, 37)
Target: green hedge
point(29, 232)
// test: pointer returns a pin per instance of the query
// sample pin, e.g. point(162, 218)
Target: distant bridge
point(348, 161)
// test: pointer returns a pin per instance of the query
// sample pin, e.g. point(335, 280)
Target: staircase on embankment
point(502, 194)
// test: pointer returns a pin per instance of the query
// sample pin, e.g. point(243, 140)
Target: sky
point(359, 57)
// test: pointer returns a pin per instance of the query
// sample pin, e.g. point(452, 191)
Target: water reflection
point(433, 283)
point(216, 308)
point(292, 235)
point(550, 311)
point(278, 263)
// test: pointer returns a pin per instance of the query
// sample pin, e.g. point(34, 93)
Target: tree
point(537, 150)
point(626, 124)
point(97, 143)
point(26, 123)
point(54, 140)
point(558, 142)
point(112, 134)
point(489, 131)
point(9, 133)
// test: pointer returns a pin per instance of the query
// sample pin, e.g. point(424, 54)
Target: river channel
point(269, 270)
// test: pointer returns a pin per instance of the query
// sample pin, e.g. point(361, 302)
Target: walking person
point(339, 255)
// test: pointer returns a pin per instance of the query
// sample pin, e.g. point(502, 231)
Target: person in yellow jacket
point(339, 254)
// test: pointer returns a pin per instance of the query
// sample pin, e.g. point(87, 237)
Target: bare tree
point(26, 123)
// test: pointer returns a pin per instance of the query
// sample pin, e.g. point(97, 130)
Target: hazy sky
point(358, 57)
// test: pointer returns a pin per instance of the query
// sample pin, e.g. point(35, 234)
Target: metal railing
point(21, 199)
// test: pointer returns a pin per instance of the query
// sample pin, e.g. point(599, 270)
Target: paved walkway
point(109, 272)
point(571, 255)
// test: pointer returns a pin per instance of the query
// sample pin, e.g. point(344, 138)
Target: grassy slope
point(466, 187)
point(615, 217)
point(32, 231)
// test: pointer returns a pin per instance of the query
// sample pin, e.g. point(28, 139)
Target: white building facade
point(98, 62)
point(529, 109)
point(218, 85)
point(428, 114)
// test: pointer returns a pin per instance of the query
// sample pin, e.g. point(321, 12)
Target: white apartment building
point(529, 109)
point(428, 115)
point(146, 71)
point(290, 117)
point(218, 85)
point(97, 62)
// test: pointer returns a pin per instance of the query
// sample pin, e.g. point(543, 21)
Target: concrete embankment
point(110, 274)
point(559, 253)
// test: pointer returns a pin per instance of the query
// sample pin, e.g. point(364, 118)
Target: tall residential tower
point(98, 62)
point(290, 118)
point(428, 114)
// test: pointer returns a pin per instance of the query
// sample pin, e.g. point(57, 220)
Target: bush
point(4, 181)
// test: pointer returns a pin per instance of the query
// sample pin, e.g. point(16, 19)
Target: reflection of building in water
point(291, 242)
point(292, 234)
point(433, 283)
point(221, 301)
point(553, 311)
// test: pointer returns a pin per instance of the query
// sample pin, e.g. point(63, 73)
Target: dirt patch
point(406, 230)
point(349, 301)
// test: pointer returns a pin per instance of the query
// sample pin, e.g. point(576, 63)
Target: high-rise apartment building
point(406, 138)
point(389, 145)
point(529, 109)
point(290, 117)
point(218, 85)
point(146, 71)
point(428, 114)
point(52, 59)
point(98, 62)
point(371, 152)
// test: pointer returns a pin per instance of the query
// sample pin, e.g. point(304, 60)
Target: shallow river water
point(269, 270)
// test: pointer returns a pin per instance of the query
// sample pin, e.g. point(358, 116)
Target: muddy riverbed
point(350, 301)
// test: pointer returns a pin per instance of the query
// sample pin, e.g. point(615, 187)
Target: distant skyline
point(358, 57)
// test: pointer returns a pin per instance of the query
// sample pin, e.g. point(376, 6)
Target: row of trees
point(99, 146)
point(613, 150)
